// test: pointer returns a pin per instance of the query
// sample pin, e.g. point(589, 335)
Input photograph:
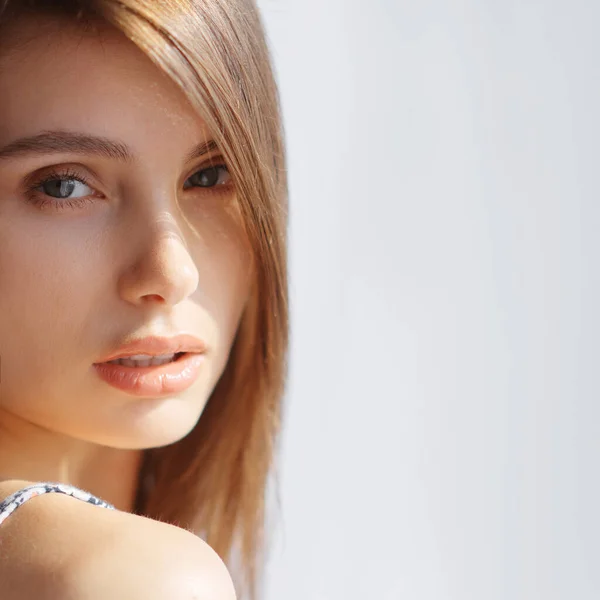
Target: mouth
point(152, 376)
point(141, 361)
point(153, 351)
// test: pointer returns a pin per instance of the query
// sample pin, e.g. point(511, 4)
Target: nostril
point(154, 298)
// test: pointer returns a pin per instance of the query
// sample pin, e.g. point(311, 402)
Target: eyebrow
point(49, 142)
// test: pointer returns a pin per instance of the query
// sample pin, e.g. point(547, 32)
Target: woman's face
point(97, 247)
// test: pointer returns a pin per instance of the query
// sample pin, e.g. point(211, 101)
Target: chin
point(148, 423)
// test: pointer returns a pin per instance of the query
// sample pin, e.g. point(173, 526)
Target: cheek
point(42, 286)
point(224, 285)
point(223, 257)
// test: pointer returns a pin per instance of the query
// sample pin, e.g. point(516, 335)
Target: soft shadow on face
point(145, 244)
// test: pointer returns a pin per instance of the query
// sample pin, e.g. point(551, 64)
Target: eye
point(64, 188)
point(207, 178)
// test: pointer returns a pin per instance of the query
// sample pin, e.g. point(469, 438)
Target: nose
point(163, 271)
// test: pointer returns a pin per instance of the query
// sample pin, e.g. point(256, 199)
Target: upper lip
point(157, 346)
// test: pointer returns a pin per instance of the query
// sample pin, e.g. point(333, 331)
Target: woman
point(143, 296)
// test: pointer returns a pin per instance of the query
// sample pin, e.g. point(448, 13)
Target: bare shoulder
point(57, 547)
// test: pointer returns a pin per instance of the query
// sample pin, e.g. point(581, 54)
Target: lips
point(154, 381)
point(158, 346)
point(141, 360)
point(172, 377)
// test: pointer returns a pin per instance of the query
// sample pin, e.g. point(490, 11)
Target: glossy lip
point(157, 346)
point(152, 381)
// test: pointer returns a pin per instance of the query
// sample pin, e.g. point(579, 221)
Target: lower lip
point(172, 378)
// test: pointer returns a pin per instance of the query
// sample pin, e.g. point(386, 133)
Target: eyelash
point(75, 203)
point(67, 174)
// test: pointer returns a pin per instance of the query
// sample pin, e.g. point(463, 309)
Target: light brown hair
point(213, 481)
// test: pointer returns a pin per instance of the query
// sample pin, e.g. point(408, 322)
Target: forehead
point(56, 74)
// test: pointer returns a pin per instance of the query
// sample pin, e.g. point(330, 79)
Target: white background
point(441, 426)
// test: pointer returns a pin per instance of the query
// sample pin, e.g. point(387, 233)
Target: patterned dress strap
point(12, 502)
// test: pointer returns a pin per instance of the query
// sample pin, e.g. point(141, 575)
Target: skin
point(145, 255)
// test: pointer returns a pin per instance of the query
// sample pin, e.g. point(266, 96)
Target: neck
point(28, 452)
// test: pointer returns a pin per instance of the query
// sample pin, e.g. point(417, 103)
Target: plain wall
point(442, 426)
